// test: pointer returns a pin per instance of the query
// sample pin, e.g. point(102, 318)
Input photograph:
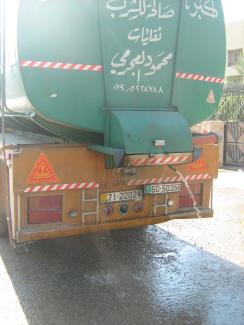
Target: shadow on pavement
point(139, 276)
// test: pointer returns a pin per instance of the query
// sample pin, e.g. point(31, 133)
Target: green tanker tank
point(120, 74)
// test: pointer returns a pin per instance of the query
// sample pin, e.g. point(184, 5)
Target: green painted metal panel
point(105, 67)
point(139, 41)
point(138, 138)
point(62, 32)
point(201, 52)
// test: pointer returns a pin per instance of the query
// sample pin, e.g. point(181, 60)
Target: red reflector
point(41, 217)
point(45, 202)
point(186, 201)
point(196, 189)
point(44, 209)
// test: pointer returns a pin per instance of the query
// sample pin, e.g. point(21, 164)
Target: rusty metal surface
point(74, 164)
point(40, 232)
point(183, 272)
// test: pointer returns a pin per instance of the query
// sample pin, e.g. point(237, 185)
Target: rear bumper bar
point(34, 233)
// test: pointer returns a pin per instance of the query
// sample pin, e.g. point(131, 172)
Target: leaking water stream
point(189, 191)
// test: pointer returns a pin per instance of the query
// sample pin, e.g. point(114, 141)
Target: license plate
point(122, 196)
point(163, 188)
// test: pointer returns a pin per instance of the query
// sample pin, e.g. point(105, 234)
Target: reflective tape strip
point(61, 187)
point(60, 65)
point(198, 77)
point(162, 160)
point(168, 179)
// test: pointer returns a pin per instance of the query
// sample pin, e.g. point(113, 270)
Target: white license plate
point(163, 188)
point(122, 196)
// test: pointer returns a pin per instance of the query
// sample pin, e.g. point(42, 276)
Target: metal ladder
point(157, 206)
point(84, 201)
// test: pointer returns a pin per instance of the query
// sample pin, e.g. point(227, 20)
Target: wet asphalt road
point(182, 272)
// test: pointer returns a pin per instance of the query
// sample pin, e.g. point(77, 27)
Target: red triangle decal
point(199, 165)
point(211, 97)
point(42, 171)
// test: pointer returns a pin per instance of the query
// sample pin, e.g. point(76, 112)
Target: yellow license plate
point(122, 196)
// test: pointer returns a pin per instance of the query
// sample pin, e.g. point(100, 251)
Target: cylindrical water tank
point(73, 62)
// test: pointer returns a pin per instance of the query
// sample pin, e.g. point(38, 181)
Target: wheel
point(3, 224)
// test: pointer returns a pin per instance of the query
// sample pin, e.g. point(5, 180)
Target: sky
point(233, 9)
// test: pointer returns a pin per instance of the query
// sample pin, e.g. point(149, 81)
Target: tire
point(3, 225)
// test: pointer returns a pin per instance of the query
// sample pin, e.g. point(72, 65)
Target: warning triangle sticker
point(42, 171)
point(199, 165)
point(211, 97)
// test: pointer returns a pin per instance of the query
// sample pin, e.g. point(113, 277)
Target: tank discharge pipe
point(189, 191)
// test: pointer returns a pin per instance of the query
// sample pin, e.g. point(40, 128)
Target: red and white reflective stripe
point(60, 65)
point(61, 187)
point(162, 160)
point(198, 77)
point(170, 179)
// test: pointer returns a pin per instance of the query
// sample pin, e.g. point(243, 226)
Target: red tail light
point(44, 209)
point(185, 201)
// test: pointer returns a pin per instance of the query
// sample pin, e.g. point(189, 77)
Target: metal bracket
point(114, 153)
point(21, 249)
point(197, 152)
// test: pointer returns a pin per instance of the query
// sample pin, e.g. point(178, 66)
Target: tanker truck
point(98, 98)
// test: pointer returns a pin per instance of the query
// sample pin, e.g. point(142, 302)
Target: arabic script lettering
point(145, 89)
point(201, 8)
point(145, 35)
point(133, 9)
point(141, 64)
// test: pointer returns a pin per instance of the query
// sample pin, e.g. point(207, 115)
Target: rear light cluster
point(44, 209)
point(124, 208)
point(185, 201)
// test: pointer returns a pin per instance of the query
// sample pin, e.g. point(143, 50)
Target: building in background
point(235, 52)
